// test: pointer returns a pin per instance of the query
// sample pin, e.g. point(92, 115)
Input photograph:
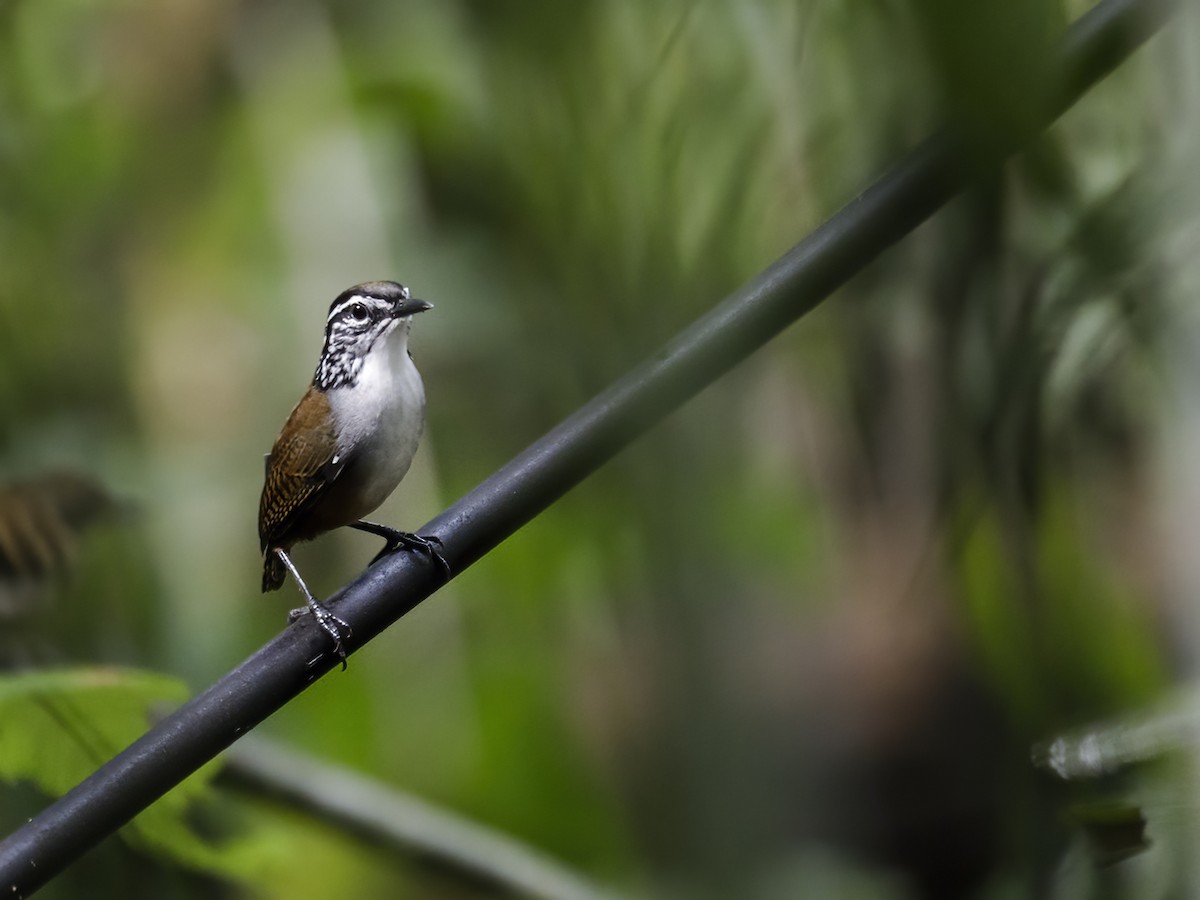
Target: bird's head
point(359, 319)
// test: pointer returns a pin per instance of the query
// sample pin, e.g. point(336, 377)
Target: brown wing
point(300, 467)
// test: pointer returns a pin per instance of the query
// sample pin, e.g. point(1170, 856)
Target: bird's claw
point(333, 625)
point(431, 546)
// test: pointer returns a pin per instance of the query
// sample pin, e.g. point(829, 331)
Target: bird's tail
point(273, 572)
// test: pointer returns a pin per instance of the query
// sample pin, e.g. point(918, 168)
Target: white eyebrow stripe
point(350, 301)
point(337, 310)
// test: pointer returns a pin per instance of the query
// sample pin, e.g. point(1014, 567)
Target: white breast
point(380, 418)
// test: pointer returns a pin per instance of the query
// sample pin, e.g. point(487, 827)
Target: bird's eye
point(358, 313)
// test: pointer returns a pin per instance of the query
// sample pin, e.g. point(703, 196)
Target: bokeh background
point(801, 640)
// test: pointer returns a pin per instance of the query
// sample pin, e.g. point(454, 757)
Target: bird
point(348, 442)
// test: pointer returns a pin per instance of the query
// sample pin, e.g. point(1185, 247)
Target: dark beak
point(410, 307)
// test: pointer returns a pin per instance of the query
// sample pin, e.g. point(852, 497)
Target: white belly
point(380, 419)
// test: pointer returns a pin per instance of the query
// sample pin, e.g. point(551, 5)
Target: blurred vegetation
point(800, 640)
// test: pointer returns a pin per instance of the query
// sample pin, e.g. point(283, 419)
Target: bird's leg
point(396, 539)
point(332, 625)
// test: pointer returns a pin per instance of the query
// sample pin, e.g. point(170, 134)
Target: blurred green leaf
point(60, 725)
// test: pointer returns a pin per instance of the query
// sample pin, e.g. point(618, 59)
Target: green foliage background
point(798, 641)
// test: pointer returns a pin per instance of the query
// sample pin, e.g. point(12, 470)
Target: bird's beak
point(410, 307)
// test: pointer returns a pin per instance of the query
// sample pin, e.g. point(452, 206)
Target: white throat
point(379, 419)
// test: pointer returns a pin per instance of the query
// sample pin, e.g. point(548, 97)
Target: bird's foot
point(431, 546)
point(334, 626)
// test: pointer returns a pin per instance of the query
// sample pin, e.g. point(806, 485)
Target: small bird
point(349, 440)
